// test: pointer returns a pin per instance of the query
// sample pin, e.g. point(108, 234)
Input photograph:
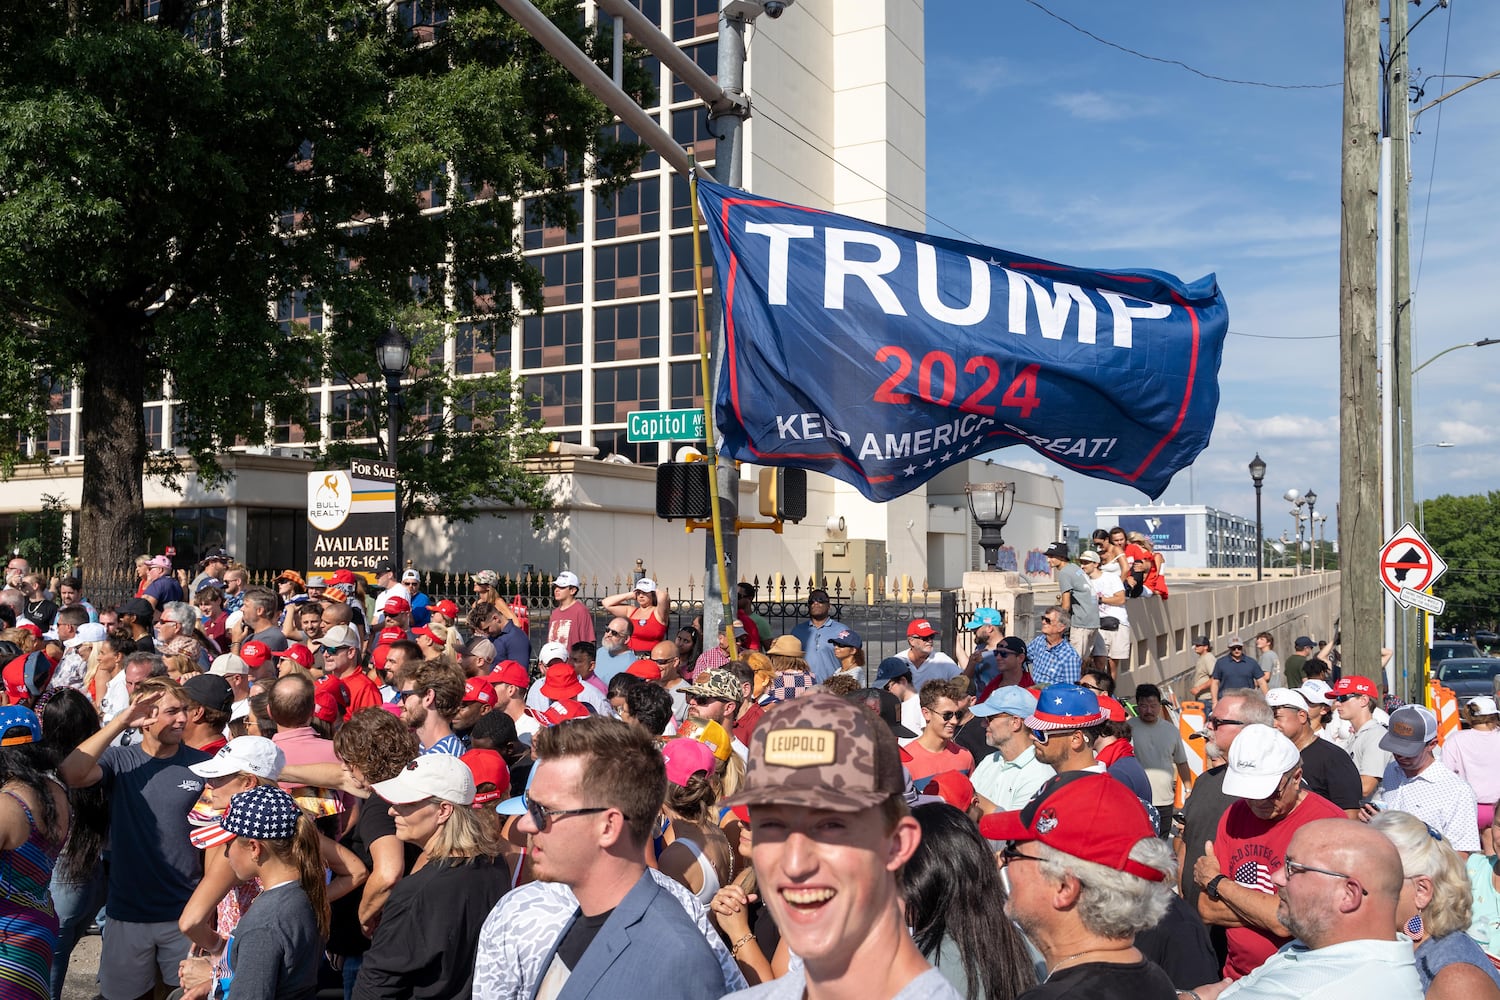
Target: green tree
point(1465, 531)
point(168, 168)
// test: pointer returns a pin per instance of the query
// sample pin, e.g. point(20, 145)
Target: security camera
point(775, 8)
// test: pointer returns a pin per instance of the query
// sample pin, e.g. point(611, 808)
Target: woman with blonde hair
point(432, 639)
point(765, 672)
point(1435, 910)
point(418, 945)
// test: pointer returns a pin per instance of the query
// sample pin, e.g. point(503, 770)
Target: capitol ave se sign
point(664, 425)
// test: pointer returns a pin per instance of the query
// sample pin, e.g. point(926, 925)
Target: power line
point(1179, 62)
point(1272, 336)
point(1437, 132)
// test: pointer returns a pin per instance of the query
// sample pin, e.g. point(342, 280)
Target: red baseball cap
point(255, 653)
point(1113, 710)
point(479, 689)
point(396, 606)
point(331, 699)
point(1089, 815)
point(431, 636)
point(446, 608)
point(562, 711)
point(345, 576)
point(15, 681)
point(1356, 684)
point(953, 787)
point(562, 682)
point(378, 655)
point(296, 651)
point(390, 634)
point(33, 628)
point(921, 628)
point(488, 767)
point(646, 670)
point(510, 672)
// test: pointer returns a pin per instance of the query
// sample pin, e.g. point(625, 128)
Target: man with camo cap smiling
point(831, 830)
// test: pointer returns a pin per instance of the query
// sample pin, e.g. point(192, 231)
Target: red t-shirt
point(645, 630)
point(363, 693)
point(571, 624)
point(744, 726)
point(924, 763)
point(1250, 850)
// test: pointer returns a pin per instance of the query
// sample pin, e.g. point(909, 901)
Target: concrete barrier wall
point(1162, 631)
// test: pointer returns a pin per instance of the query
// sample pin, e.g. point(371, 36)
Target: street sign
point(1408, 566)
point(664, 425)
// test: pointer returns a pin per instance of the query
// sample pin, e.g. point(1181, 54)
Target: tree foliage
point(1465, 531)
point(168, 170)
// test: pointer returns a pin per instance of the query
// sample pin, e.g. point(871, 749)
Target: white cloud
point(1092, 106)
point(1461, 432)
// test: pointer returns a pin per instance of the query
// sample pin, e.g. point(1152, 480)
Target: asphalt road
point(82, 969)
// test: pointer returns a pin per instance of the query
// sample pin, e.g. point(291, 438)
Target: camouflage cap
point(717, 683)
point(822, 752)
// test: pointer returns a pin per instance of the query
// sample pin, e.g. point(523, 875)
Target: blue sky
point(1046, 142)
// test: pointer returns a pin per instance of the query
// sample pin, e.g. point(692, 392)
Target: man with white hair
point(1083, 873)
point(1235, 872)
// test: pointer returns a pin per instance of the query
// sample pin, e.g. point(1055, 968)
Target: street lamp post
point(1296, 499)
point(990, 505)
point(1311, 499)
point(393, 354)
point(1258, 476)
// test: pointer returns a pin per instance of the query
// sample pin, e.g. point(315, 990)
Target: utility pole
point(1359, 438)
point(727, 127)
point(1409, 640)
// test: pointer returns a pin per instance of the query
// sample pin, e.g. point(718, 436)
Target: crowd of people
point(390, 797)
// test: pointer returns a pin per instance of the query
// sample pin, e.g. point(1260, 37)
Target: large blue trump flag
point(880, 356)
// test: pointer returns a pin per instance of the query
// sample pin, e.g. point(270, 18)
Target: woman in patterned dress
point(34, 820)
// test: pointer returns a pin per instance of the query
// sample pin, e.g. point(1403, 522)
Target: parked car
point(1469, 676)
point(1486, 639)
point(1449, 650)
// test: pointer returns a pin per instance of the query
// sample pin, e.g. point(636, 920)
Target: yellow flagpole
point(708, 413)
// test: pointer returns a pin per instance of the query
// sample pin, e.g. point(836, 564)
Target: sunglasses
point(1346, 697)
point(1041, 736)
point(1049, 621)
point(403, 695)
point(703, 699)
point(945, 716)
point(610, 631)
point(1006, 652)
point(1010, 853)
point(1213, 722)
point(542, 816)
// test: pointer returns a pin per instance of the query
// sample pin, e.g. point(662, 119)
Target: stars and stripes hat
point(1259, 758)
point(264, 812)
point(1065, 706)
point(1088, 815)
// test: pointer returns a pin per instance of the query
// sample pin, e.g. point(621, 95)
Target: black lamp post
point(1258, 476)
point(990, 505)
point(1312, 510)
point(393, 353)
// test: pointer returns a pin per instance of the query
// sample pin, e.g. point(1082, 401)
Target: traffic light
point(783, 494)
point(682, 491)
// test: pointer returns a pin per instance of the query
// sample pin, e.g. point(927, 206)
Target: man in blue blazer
point(590, 811)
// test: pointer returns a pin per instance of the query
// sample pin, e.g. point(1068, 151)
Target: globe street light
point(1258, 476)
point(1311, 499)
point(990, 505)
point(1296, 499)
point(393, 354)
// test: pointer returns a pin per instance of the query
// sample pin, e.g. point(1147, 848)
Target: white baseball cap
point(430, 776)
point(551, 653)
point(1259, 758)
point(645, 585)
point(1483, 706)
point(411, 576)
point(87, 632)
point(1316, 692)
point(566, 578)
point(243, 755)
point(1286, 698)
point(228, 663)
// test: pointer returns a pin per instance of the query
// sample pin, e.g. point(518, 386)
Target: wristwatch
point(1212, 889)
